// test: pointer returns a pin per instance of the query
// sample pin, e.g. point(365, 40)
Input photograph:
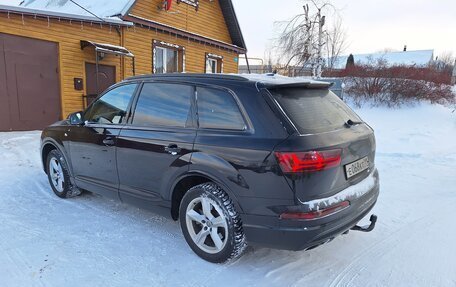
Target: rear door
point(157, 143)
point(324, 124)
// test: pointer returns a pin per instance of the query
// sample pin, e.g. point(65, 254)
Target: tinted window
point(218, 109)
point(314, 110)
point(111, 108)
point(164, 105)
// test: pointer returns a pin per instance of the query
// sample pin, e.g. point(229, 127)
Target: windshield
point(314, 110)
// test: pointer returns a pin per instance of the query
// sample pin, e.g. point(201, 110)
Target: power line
point(93, 14)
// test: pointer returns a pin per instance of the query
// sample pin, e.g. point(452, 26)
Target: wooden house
point(56, 56)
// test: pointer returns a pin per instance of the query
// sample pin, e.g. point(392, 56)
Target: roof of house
point(61, 15)
point(101, 8)
point(112, 11)
point(407, 58)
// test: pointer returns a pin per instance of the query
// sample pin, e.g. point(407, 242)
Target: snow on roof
point(274, 79)
point(101, 8)
point(407, 58)
point(10, 2)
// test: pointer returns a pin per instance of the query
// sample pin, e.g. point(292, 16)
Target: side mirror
point(76, 119)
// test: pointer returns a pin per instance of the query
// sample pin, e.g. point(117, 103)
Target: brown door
point(29, 78)
point(106, 78)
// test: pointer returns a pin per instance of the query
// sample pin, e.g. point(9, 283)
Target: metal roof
point(233, 24)
point(61, 15)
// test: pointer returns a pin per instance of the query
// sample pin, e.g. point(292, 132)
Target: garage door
point(29, 83)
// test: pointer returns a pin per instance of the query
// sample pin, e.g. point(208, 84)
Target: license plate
point(356, 167)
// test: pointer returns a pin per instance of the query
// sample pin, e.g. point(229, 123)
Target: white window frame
point(211, 60)
point(218, 63)
point(194, 3)
point(165, 46)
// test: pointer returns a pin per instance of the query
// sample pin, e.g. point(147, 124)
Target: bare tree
point(445, 61)
point(303, 39)
point(336, 43)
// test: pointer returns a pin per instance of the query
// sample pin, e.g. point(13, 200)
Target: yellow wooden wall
point(71, 58)
point(207, 21)
point(139, 42)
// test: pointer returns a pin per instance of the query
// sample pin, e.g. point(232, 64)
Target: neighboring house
point(403, 58)
point(52, 51)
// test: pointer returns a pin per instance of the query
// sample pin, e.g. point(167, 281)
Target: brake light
point(316, 214)
point(311, 161)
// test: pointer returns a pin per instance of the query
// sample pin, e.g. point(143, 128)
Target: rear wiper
point(351, 123)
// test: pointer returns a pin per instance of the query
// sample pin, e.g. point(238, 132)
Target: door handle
point(109, 141)
point(173, 149)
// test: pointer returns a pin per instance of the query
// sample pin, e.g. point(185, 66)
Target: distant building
point(420, 58)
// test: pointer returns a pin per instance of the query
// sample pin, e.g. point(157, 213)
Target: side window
point(111, 108)
point(164, 105)
point(217, 109)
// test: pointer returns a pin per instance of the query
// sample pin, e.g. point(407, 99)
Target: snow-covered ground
point(92, 241)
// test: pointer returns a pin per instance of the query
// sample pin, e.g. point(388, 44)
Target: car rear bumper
point(273, 232)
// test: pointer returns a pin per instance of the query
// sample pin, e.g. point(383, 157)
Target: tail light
point(311, 215)
point(311, 161)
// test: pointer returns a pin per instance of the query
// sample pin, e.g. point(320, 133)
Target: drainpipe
point(247, 61)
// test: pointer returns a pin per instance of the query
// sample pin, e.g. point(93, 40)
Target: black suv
point(263, 160)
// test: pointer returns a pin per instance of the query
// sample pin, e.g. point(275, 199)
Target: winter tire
point(59, 178)
point(210, 224)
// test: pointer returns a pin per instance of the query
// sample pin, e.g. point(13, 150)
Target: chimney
point(405, 48)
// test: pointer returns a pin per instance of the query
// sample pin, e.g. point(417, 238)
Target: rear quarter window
point(314, 110)
point(217, 109)
point(166, 105)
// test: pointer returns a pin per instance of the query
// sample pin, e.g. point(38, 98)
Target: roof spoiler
point(312, 85)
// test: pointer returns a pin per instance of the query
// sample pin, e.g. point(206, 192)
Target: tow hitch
point(367, 228)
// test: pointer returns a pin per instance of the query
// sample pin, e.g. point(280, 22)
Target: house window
point(214, 64)
point(168, 58)
point(194, 3)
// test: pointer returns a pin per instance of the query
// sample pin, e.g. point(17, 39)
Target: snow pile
point(92, 241)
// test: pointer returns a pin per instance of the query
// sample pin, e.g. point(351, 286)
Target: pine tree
point(350, 62)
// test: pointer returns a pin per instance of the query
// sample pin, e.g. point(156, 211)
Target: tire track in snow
point(382, 248)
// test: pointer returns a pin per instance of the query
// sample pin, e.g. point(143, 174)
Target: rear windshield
point(314, 110)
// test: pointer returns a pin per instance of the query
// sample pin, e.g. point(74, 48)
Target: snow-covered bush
point(395, 92)
point(379, 84)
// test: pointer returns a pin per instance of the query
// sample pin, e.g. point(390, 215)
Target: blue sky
point(372, 25)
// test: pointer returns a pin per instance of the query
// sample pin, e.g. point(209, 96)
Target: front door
point(92, 146)
point(156, 146)
point(106, 78)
